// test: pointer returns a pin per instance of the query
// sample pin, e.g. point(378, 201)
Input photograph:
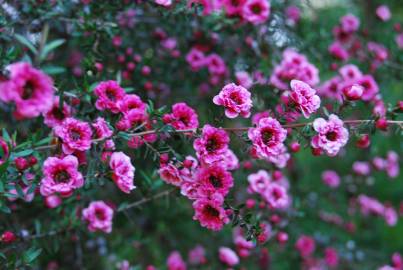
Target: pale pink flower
point(267, 138)
point(216, 64)
point(361, 168)
point(196, 256)
point(175, 261)
point(75, 134)
point(196, 59)
point(228, 256)
point(258, 182)
point(102, 129)
point(244, 79)
point(123, 171)
point(383, 13)
point(99, 216)
point(60, 175)
point(392, 166)
point(236, 99)
point(276, 196)
point(332, 135)
point(170, 174)
point(293, 14)
point(165, 3)
point(349, 23)
point(30, 89)
point(304, 98)
point(390, 216)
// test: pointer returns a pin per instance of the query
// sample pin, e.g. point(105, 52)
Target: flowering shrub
point(201, 134)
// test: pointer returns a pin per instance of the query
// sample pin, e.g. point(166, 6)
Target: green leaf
point(53, 70)
point(50, 47)
point(24, 41)
point(23, 153)
point(31, 254)
point(6, 136)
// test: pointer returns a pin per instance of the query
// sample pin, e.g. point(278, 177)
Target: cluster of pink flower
point(369, 205)
point(306, 247)
point(252, 11)
point(351, 84)
point(206, 180)
point(294, 66)
point(397, 263)
point(273, 190)
point(236, 99)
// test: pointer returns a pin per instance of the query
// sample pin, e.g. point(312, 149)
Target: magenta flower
point(170, 174)
point(60, 175)
point(276, 196)
point(212, 144)
point(75, 134)
point(332, 135)
point(383, 13)
point(123, 171)
point(228, 256)
point(4, 151)
point(30, 89)
point(182, 117)
point(216, 64)
point(131, 102)
point(233, 7)
point(196, 59)
point(214, 179)
point(305, 245)
point(210, 212)
point(349, 23)
point(256, 11)
point(370, 87)
point(197, 255)
point(267, 138)
point(236, 100)
point(109, 93)
point(55, 115)
point(304, 98)
point(99, 216)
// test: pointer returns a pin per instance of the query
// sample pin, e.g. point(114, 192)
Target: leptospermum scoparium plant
point(201, 134)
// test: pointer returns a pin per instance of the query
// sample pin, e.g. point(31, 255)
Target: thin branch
point(147, 199)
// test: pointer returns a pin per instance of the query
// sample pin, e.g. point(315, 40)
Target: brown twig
point(147, 199)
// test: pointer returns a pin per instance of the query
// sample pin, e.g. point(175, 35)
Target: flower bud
point(8, 237)
point(363, 141)
point(354, 92)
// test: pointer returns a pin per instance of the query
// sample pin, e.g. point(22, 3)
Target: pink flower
point(4, 151)
point(244, 79)
point(331, 178)
point(52, 201)
point(332, 135)
point(210, 213)
point(233, 7)
point(99, 216)
point(370, 205)
point(258, 182)
point(349, 23)
point(102, 130)
point(130, 103)
point(196, 59)
point(267, 138)
point(196, 255)
point(304, 97)
point(170, 174)
point(331, 257)
point(55, 116)
point(212, 144)
point(276, 196)
point(305, 245)
point(338, 51)
point(383, 13)
point(123, 171)
point(392, 166)
point(256, 11)
point(399, 40)
point(165, 3)
point(361, 168)
point(228, 256)
point(353, 92)
point(390, 216)
point(236, 100)
point(182, 117)
point(216, 64)
point(30, 89)
point(214, 179)
point(75, 134)
point(229, 161)
point(293, 14)
point(109, 93)
point(175, 261)
point(60, 176)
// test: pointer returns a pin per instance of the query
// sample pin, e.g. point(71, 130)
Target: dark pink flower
point(331, 178)
point(102, 129)
point(332, 135)
point(236, 99)
point(331, 257)
point(210, 212)
point(75, 134)
point(212, 144)
point(196, 59)
point(131, 102)
point(30, 89)
point(305, 245)
point(55, 116)
point(216, 64)
point(175, 261)
point(228, 256)
point(109, 93)
point(182, 117)
point(214, 179)
point(4, 151)
point(349, 23)
point(99, 216)
point(233, 7)
point(60, 176)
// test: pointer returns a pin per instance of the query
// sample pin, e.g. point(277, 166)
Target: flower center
point(267, 135)
point(276, 194)
point(256, 8)
point(100, 214)
point(215, 181)
point(62, 177)
point(58, 113)
point(28, 90)
point(211, 145)
point(331, 136)
point(110, 93)
point(75, 135)
point(211, 211)
point(236, 98)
